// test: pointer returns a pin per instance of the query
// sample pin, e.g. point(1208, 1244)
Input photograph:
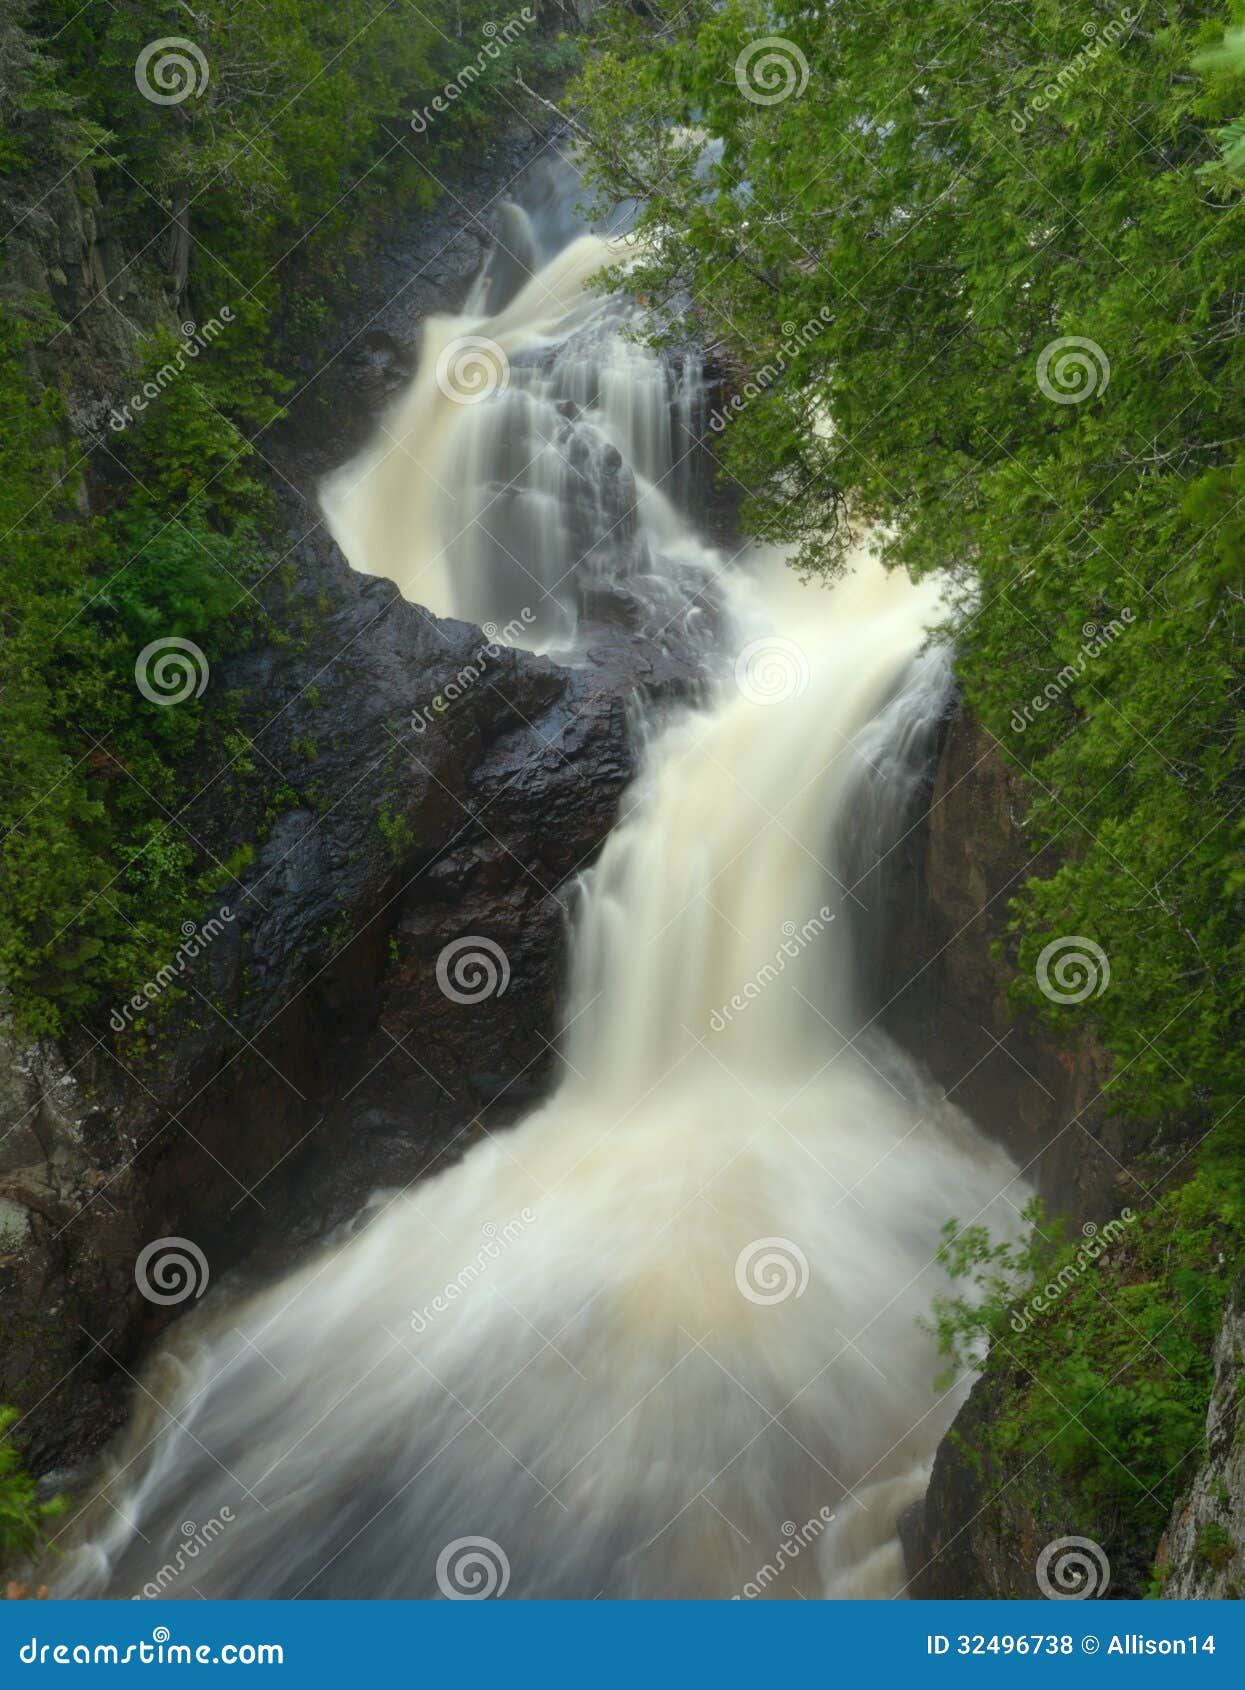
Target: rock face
point(313, 1017)
point(948, 894)
point(1202, 1554)
point(981, 1527)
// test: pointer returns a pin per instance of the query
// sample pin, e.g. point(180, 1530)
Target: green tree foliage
point(95, 874)
point(248, 195)
point(1230, 59)
point(1103, 1347)
point(295, 105)
point(23, 1516)
point(942, 192)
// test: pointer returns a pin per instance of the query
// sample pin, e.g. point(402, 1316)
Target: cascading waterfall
point(537, 450)
point(661, 1339)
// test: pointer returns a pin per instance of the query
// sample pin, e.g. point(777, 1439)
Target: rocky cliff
point(986, 1518)
point(312, 1048)
point(966, 854)
point(1202, 1553)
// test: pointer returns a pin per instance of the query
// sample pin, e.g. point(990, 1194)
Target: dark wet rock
point(911, 1530)
point(947, 893)
point(985, 1520)
point(311, 1054)
point(315, 1030)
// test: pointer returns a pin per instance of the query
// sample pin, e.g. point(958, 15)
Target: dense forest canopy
point(978, 272)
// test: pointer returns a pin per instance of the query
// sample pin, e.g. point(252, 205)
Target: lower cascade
point(661, 1339)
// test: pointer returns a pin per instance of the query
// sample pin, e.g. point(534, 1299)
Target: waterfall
point(535, 451)
point(661, 1338)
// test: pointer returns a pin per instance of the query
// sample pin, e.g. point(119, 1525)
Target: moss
point(1215, 1545)
point(396, 830)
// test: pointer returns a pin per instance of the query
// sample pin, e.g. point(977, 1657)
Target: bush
point(22, 1515)
point(1108, 1381)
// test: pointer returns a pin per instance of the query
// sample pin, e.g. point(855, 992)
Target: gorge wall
point(318, 1057)
point(311, 1035)
point(985, 1520)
